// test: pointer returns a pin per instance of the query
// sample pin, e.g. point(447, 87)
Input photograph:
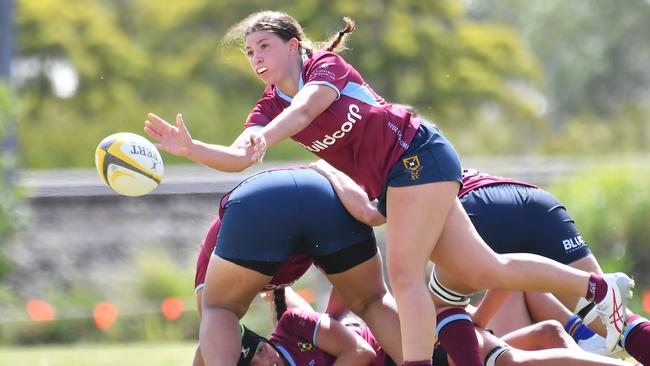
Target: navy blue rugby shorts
point(517, 219)
point(275, 214)
point(430, 158)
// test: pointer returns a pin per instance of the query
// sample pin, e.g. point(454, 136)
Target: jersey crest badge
point(412, 164)
point(305, 346)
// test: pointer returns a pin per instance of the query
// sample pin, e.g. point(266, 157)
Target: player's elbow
point(364, 354)
point(238, 168)
point(374, 218)
point(370, 215)
point(233, 168)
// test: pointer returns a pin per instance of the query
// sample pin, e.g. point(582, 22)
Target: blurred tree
point(594, 58)
point(96, 67)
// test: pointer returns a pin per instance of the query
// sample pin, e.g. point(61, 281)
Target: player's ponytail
point(280, 302)
point(337, 43)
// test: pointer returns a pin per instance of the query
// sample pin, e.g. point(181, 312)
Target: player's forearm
point(222, 158)
point(307, 104)
point(491, 303)
point(286, 124)
point(354, 199)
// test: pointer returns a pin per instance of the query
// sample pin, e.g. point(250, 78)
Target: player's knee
point(551, 334)
point(402, 275)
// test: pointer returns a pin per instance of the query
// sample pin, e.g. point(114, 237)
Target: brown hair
point(285, 27)
point(279, 302)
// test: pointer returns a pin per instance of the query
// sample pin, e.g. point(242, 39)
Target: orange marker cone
point(40, 311)
point(172, 308)
point(646, 301)
point(105, 314)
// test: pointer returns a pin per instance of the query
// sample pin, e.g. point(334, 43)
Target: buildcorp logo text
point(328, 140)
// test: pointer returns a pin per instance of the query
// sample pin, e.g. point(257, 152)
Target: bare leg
point(198, 357)
point(229, 290)
point(416, 216)
point(542, 335)
point(555, 357)
point(363, 291)
point(473, 265)
point(512, 315)
point(543, 306)
point(547, 357)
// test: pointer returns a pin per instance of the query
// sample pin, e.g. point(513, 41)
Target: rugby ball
point(129, 164)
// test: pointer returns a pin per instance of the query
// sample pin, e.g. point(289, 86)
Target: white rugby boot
point(612, 310)
point(597, 344)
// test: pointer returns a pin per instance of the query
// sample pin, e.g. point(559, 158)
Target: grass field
point(140, 354)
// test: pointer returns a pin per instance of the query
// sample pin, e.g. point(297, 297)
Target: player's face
point(270, 56)
point(266, 355)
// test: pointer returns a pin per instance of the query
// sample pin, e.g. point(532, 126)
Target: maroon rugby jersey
point(296, 336)
point(473, 179)
point(360, 133)
point(295, 266)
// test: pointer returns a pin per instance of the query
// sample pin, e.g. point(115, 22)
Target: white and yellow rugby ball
point(129, 164)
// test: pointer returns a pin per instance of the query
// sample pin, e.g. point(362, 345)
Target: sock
point(597, 288)
point(456, 334)
point(577, 329)
point(636, 338)
point(418, 363)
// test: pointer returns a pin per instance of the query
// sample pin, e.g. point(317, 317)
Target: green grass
point(159, 354)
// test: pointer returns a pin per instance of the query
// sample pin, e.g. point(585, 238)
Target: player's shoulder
point(324, 59)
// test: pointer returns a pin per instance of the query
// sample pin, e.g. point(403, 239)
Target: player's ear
point(294, 46)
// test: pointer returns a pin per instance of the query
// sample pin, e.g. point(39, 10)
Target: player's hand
point(172, 139)
point(257, 142)
point(322, 167)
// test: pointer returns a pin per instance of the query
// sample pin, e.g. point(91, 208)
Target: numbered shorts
point(275, 214)
point(518, 219)
point(430, 158)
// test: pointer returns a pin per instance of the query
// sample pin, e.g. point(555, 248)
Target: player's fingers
point(259, 143)
point(155, 119)
point(179, 121)
point(152, 133)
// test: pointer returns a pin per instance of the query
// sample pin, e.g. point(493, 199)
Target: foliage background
point(132, 57)
point(504, 77)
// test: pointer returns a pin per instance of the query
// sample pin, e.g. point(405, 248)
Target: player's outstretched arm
point(308, 103)
point(177, 140)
